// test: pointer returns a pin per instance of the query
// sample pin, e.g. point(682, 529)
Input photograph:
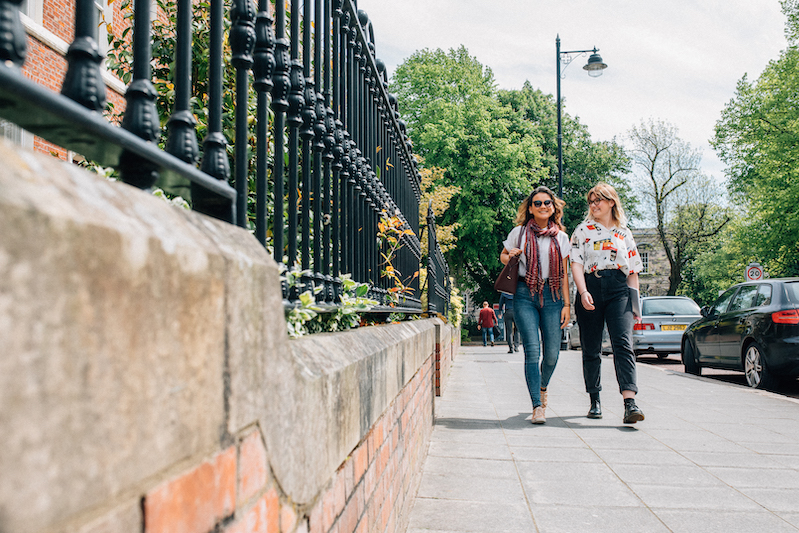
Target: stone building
point(654, 278)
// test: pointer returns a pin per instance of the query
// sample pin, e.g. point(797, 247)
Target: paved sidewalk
point(710, 456)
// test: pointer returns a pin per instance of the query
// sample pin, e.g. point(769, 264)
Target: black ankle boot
point(596, 407)
point(632, 413)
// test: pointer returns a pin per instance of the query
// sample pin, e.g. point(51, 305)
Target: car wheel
point(692, 366)
point(757, 374)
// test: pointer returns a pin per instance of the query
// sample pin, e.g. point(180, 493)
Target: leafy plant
point(308, 317)
point(390, 232)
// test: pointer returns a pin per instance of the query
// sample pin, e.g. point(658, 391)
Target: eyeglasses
point(595, 201)
point(538, 203)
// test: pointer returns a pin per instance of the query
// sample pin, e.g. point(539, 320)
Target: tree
point(757, 137)
point(695, 223)
point(495, 147)
point(585, 162)
point(675, 193)
point(456, 123)
point(716, 264)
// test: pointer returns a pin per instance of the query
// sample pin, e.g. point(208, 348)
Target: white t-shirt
point(598, 248)
point(543, 250)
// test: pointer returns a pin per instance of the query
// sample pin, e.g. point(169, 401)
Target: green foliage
point(120, 61)
point(391, 232)
point(716, 265)
point(682, 203)
point(584, 162)
point(455, 315)
point(310, 318)
point(494, 147)
point(757, 136)
point(456, 123)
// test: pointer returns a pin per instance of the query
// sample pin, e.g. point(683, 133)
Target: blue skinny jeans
point(486, 333)
point(540, 328)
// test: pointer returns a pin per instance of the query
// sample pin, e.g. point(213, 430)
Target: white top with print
point(597, 248)
point(543, 250)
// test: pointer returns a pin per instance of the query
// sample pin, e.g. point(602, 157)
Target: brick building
point(49, 25)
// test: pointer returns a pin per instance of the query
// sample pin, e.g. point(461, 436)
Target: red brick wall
point(57, 17)
point(234, 492)
point(374, 489)
point(47, 67)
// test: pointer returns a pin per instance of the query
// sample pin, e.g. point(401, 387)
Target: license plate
point(673, 327)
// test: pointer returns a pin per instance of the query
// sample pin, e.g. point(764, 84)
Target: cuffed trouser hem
point(629, 386)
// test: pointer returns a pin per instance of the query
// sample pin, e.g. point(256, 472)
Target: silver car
point(663, 320)
point(571, 337)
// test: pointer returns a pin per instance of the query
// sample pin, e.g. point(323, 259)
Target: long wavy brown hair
point(523, 216)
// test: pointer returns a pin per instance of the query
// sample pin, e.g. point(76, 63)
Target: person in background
point(511, 331)
point(605, 266)
point(486, 322)
point(541, 303)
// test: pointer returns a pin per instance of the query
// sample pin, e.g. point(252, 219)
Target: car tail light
point(789, 316)
point(643, 327)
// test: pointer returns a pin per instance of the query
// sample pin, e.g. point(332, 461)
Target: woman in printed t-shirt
point(605, 265)
point(541, 302)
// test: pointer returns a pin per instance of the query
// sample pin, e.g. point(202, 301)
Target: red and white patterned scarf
point(533, 256)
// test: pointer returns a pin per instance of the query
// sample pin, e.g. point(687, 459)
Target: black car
point(752, 327)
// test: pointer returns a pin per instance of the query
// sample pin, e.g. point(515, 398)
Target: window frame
point(644, 255)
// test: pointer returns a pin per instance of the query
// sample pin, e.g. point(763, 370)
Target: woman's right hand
point(587, 300)
point(506, 254)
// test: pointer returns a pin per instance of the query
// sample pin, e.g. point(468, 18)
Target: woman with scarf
point(541, 302)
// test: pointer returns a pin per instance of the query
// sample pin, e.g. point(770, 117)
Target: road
point(672, 362)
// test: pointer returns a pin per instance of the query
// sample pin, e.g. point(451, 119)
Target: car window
point(792, 289)
point(744, 299)
point(763, 297)
point(669, 306)
point(723, 301)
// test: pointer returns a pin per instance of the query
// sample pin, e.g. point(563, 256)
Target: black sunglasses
point(538, 203)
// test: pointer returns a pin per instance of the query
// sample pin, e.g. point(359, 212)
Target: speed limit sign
point(754, 272)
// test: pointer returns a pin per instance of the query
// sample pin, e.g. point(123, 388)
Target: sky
point(673, 60)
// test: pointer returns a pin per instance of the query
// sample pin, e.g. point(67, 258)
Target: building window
point(10, 131)
point(15, 134)
point(33, 9)
point(105, 16)
point(644, 261)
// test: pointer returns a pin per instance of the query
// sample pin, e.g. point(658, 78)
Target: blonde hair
point(605, 191)
point(523, 215)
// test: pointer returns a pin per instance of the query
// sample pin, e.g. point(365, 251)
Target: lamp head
point(595, 65)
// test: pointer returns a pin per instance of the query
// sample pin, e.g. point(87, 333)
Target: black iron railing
point(341, 159)
point(438, 280)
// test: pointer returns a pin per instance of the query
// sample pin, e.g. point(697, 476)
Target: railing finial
point(13, 42)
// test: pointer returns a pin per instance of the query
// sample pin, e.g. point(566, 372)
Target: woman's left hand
point(565, 315)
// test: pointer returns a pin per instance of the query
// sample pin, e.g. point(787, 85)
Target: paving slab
point(710, 456)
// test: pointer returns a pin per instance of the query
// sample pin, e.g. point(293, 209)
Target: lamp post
point(594, 67)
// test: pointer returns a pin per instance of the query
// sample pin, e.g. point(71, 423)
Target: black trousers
point(612, 306)
point(511, 331)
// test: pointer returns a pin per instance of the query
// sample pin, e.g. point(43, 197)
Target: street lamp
point(594, 67)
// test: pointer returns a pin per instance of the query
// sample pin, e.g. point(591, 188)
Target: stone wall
point(655, 280)
point(147, 383)
point(448, 342)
